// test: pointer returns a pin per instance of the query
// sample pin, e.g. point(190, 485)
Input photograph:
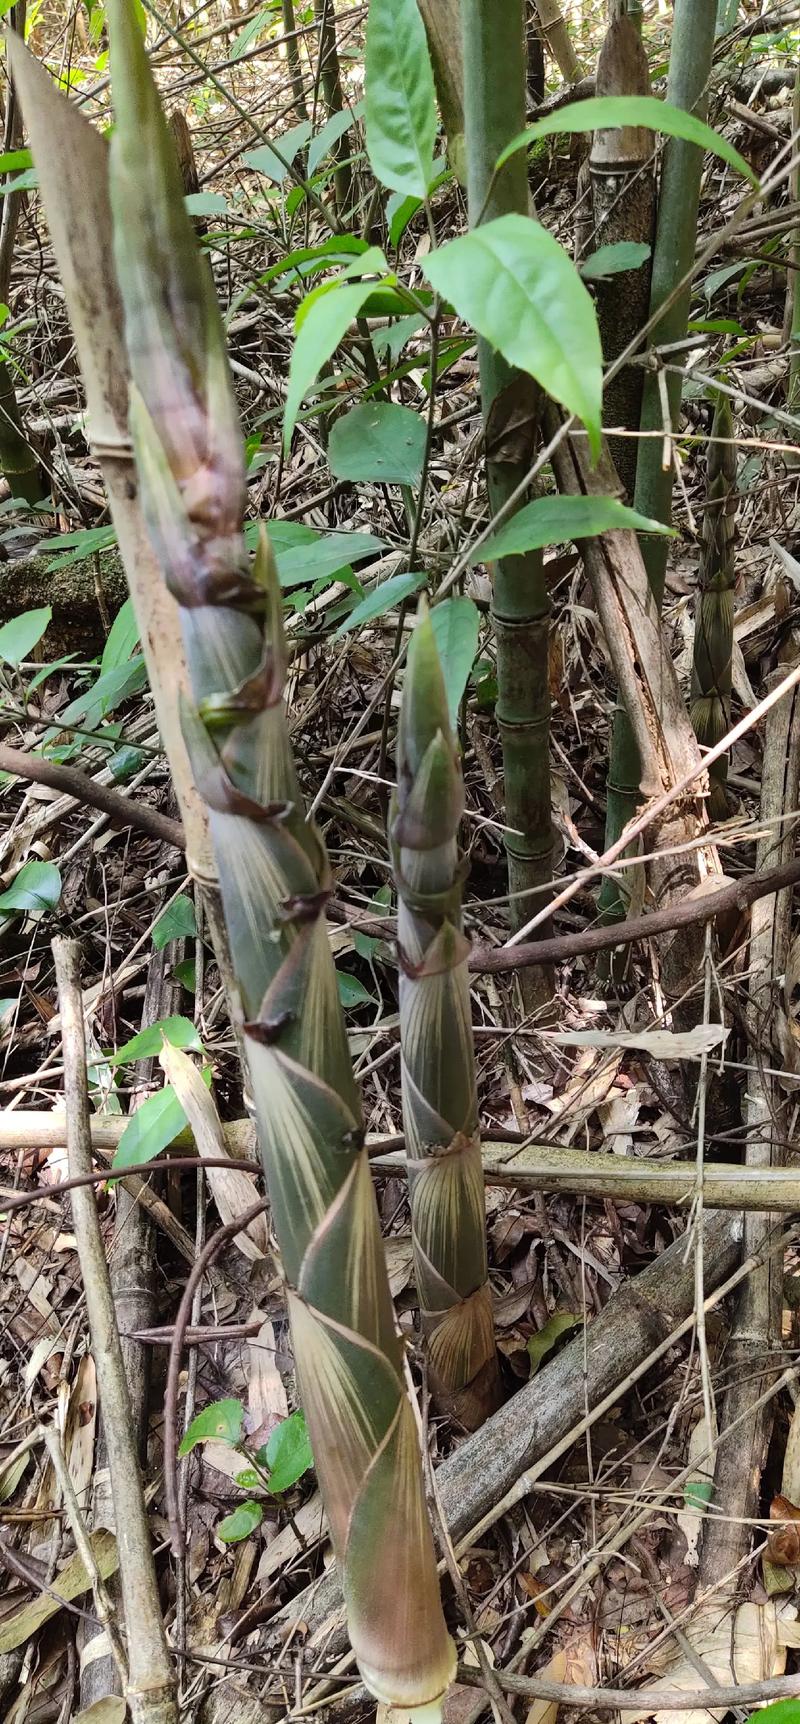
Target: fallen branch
point(523, 1166)
point(69, 781)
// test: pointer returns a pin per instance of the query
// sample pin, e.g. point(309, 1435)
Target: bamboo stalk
point(440, 1098)
point(710, 708)
point(623, 205)
point(494, 105)
point(442, 22)
point(691, 55)
point(151, 1679)
point(275, 880)
point(754, 1353)
point(19, 462)
point(331, 80)
point(558, 40)
point(293, 59)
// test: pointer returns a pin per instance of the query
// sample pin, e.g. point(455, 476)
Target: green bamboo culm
point(275, 881)
point(19, 461)
point(713, 634)
point(494, 108)
point(691, 54)
point(440, 1102)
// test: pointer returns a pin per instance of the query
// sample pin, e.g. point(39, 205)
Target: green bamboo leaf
point(324, 140)
point(456, 624)
point(287, 1454)
point(378, 442)
point(245, 1520)
point(616, 259)
point(557, 520)
point(19, 636)
point(220, 1422)
point(515, 285)
point(606, 113)
point(276, 163)
point(123, 638)
point(177, 922)
point(352, 992)
point(36, 887)
point(151, 1129)
point(206, 204)
point(382, 599)
point(180, 1032)
point(400, 97)
point(318, 336)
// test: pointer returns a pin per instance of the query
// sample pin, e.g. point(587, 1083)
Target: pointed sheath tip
point(424, 709)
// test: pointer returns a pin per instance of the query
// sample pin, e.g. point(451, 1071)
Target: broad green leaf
point(515, 285)
point(12, 161)
point(206, 204)
point(617, 259)
point(276, 163)
point(220, 1422)
point(783, 1712)
point(329, 134)
point(251, 32)
point(288, 1453)
point(543, 1343)
point(36, 887)
point(19, 636)
point(400, 211)
point(606, 113)
point(179, 1032)
point(108, 692)
point(123, 638)
point(73, 547)
point(151, 1129)
point(244, 1520)
point(352, 992)
point(322, 328)
point(177, 922)
point(400, 98)
point(6, 1008)
point(321, 559)
point(456, 623)
point(383, 598)
point(186, 973)
point(393, 337)
point(367, 945)
point(378, 442)
point(557, 520)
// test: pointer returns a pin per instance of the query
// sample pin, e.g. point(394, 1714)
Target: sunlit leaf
point(382, 599)
point(220, 1422)
point(246, 1518)
point(151, 1129)
point(37, 886)
point(19, 636)
point(606, 113)
point(323, 327)
point(177, 922)
point(181, 1032)
point(514, 283)
point(558, 520)
point(400, 97)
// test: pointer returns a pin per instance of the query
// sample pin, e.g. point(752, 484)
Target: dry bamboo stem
point(151, 1684)
point(754, 1351)
point(523, 1167)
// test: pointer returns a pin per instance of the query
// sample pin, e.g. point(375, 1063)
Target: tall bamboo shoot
point(440, 1102)
point(275, 880)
